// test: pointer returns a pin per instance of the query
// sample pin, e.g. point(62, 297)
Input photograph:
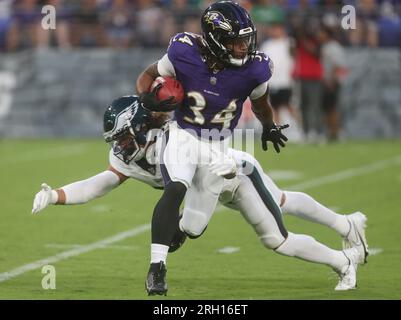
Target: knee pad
point(197, 236)
point(193, 223)
point(272, 241)
point(269, 233)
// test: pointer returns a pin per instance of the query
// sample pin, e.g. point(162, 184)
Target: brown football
point(171, 87)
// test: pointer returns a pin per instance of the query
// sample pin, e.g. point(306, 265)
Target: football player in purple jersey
point(219, 70)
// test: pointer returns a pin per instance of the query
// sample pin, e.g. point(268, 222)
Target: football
point(170, 87)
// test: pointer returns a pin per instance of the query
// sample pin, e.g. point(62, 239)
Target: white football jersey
point(142, 170)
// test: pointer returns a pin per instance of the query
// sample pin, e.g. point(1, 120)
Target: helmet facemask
point(126, 148)
point(126, 144)
point(240, 49)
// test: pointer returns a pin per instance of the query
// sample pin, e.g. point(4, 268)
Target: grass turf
point(196, 271)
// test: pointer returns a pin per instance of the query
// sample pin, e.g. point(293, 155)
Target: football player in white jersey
point(134, 154)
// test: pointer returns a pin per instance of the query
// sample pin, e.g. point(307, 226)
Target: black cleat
point(178, 240)
point(156, 280)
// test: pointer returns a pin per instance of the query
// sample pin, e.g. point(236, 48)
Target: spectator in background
point(366, 32)
point(119, 24)
point(330, 11)
point(59, 37)
point(333, 58)
point(25, 25)
point(389, 26)
point(182, 16)
point(150, 22)
point(181, 10)
point(261, 15)
point(280, 48)
point(87, 28)
point(308, 72)
point(191, 24)
point(169, 29)
point(294, 4)
point(5, 22)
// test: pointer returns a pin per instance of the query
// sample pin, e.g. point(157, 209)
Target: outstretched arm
point(80, 191)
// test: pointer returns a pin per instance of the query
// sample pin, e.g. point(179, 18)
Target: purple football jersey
point(214, 100)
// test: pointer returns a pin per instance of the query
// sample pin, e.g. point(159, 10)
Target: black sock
point(166, 213)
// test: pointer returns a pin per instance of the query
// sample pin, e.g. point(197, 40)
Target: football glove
point(152, 103)
point(43, 198)
point(273, 133)
point(225, 168)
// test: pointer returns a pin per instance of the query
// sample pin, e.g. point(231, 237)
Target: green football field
point(101, 250)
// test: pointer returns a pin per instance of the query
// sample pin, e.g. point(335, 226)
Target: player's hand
point(42, 199)
point(226, 167)
point(273, 133)
point(152, 103)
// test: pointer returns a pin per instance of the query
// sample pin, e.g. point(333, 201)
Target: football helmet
point(125, 126)
point(227, 22)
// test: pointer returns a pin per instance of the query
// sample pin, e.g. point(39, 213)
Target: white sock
point(307, 248)
point(301, 205)
point(158, 252)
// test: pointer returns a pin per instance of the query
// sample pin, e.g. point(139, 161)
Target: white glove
point(43, 198)
point(224, 167)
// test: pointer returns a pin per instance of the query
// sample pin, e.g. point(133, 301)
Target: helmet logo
point(217, 20)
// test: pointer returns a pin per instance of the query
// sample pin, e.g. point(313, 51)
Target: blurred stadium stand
point(57, 93)
point(58, 82)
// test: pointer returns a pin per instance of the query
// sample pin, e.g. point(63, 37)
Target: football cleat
point(347, 273)
point(178, 240)
point(356, 235)
point(355, 255)
point(156, 280)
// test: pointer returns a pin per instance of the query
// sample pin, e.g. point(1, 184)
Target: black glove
point(152, 103)
point(273, 133)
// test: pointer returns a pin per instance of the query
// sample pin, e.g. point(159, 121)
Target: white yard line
point(72, 246)
point(336, 177)
point(228, 250)
point(73, 252)
point(346, 174)
point(375, 251)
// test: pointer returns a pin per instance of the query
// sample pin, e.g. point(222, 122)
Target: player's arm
point(264, 112)
point(80, 191)
point(146, 78)
point(161, 68)
point(262, 109)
